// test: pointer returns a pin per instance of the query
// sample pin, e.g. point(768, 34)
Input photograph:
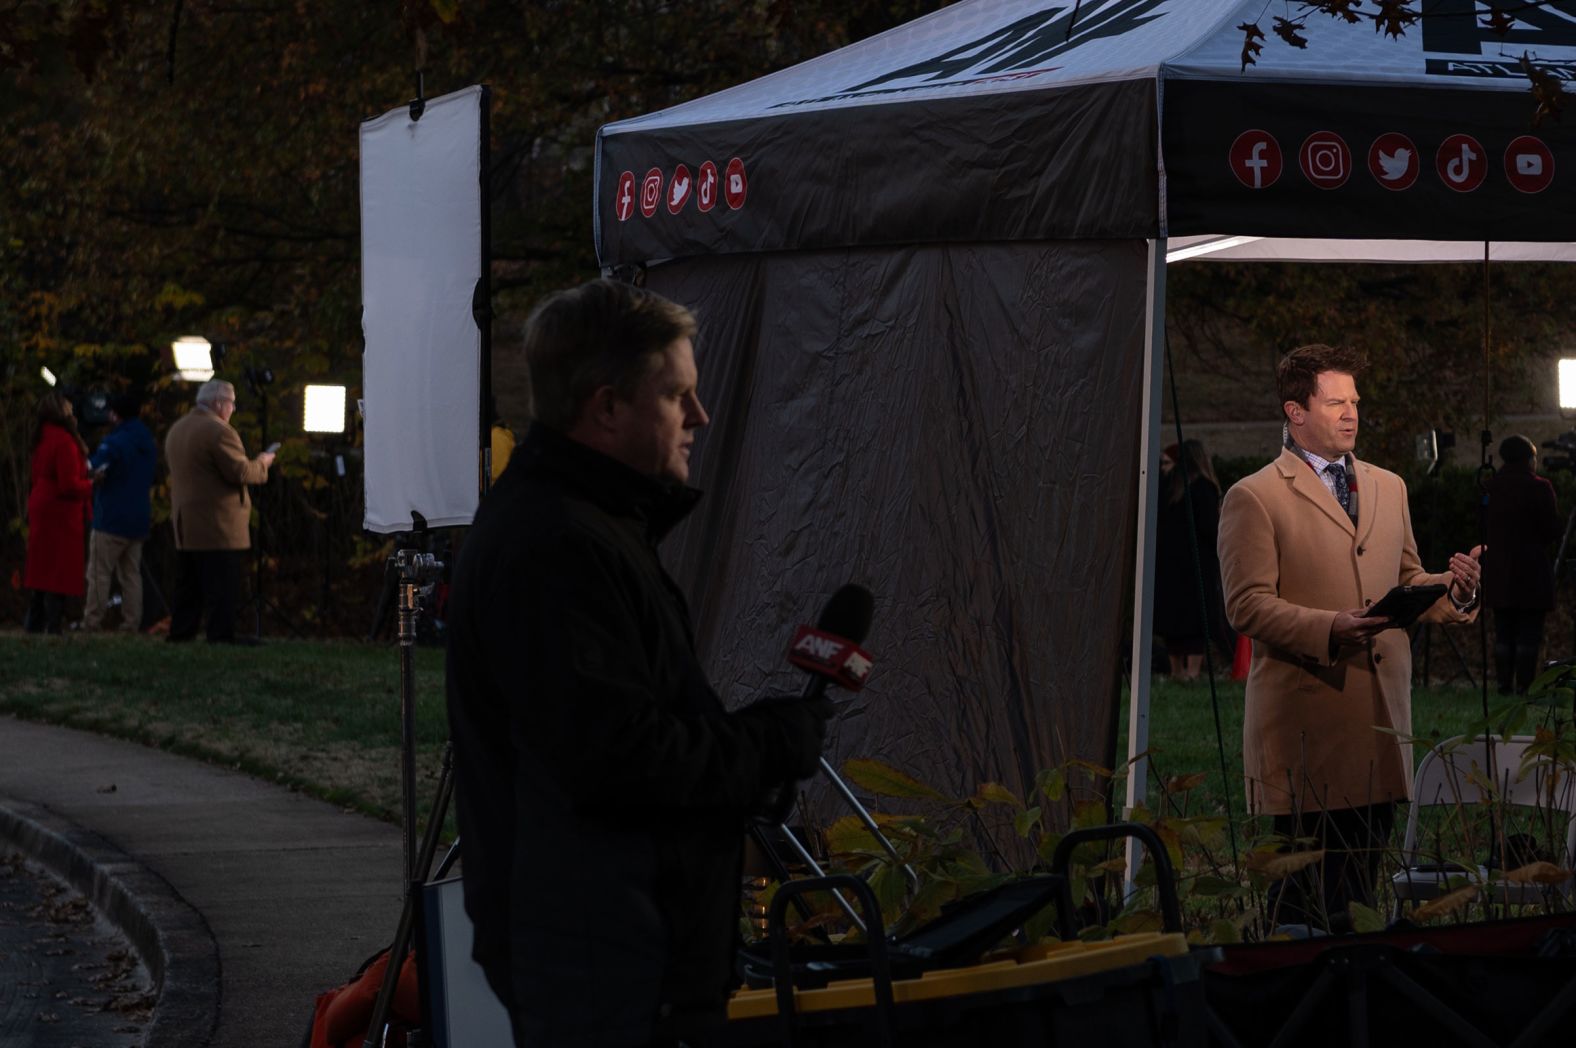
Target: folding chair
point(1454, 774)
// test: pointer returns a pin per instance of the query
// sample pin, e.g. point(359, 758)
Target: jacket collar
point(619, 490)
point(1295, 469)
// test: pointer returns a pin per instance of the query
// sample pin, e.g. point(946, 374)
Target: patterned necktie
point(1343, 488)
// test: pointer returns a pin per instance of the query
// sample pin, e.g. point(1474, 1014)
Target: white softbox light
point(423, 240)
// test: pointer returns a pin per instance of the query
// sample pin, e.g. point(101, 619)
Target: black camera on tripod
point(1560, 453)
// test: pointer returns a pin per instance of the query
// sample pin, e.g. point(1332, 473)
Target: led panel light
point(323, 409)
point(193, 358)
point(1567, 384)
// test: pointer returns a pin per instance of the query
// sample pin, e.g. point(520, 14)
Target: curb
point(172, 937)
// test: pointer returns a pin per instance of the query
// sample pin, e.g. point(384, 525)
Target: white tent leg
point(1144, 556)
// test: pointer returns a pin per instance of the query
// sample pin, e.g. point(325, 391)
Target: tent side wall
point(954, 428)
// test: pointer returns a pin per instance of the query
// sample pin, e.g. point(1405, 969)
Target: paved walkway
point(261, 898)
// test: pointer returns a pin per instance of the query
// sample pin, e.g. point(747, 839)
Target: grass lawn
point(324, 716)
point(1182, 738)
point(318, 716)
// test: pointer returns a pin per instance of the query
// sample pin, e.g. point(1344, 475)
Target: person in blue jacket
point(122, 479)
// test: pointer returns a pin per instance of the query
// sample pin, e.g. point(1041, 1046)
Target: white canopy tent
point(1097, 141)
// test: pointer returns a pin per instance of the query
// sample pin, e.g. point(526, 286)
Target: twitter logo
point(1394, 165)
point(1393, 161)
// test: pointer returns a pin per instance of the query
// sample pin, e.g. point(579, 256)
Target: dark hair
point(602, 333)
point(1517, 449)
point(54, 408)
point(1192, 464)
point(1297, 375)
point(126, 405)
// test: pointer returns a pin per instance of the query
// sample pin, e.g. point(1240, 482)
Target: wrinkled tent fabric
point(990, 127)
point(938, 424)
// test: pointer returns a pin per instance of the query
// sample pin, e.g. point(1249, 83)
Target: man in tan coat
point(210, 511)
point(1305, 544)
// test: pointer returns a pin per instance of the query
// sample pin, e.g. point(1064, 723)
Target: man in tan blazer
point(210, 511)
point(1305, 544)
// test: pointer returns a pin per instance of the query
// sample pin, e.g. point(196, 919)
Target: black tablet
point(1404, 604)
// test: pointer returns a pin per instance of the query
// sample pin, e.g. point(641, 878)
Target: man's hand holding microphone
point(830, 653)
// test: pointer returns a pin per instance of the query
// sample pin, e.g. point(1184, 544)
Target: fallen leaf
point(1184, 783)
point(1446, 904)
point(1538, 873)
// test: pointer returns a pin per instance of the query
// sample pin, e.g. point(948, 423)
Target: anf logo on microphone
point(823, 648)
point(830, 656)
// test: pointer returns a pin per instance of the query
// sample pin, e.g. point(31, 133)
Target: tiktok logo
point(1461, 163)
point(706, 186)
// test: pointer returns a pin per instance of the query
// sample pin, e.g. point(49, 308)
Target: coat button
point(1360, 550)
point(1378, 659)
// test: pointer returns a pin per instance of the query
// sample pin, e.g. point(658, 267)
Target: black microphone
point(830, 651)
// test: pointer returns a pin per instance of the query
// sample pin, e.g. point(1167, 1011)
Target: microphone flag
point(838, 660)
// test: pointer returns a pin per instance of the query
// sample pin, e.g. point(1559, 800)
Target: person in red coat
point(59, 506)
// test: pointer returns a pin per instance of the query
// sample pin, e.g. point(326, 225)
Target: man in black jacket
point(602, 786)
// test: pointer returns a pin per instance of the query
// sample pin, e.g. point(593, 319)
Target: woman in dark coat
point(59, 505)
point(1518, 575)
point(1184, 622)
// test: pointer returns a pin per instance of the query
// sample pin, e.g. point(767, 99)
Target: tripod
point(416, 572)
point(258, 380)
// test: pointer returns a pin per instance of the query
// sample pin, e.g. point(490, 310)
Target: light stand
point(417, 573)
point(258, 380)
point(1565, 374)
point(323, 414)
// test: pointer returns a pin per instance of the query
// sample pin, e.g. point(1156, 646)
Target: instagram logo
point(1325, 160)
point(651, 192)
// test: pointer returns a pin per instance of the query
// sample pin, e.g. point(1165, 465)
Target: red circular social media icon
point(651, 192)
point(624, 199)
point(679, 189)
point(735, 185)
point(1255, 159)
point(706, 186)
point(1529, 164)
point(1392, 160)
point(1325, 160)
point(1461, 163)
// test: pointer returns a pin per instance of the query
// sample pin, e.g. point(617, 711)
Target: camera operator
point(602, 787)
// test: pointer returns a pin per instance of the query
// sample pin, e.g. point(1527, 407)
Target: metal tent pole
point(1144, 551)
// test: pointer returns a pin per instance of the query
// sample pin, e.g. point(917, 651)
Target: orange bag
point(340, 1017)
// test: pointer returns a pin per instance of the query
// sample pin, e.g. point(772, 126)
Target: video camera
point(91, 405)
point(1561, 452)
